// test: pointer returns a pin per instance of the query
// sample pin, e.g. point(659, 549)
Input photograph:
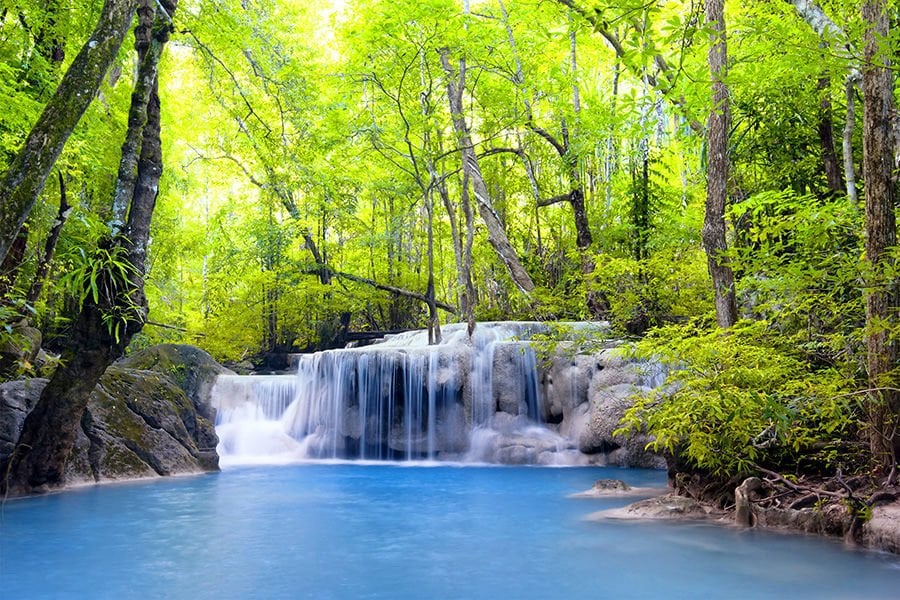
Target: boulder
point(882, 530)
point(138, 423)
point(17, 398)
point(591, 394)
point(189, 367)
point(611, 488)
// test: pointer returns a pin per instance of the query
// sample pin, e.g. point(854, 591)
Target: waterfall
point(475, 399)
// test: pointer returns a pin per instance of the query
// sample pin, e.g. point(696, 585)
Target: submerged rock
point(612, 488)
point(149, 416)
point(668, 507)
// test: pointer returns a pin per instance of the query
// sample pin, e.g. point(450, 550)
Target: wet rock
point(831, 520)
point(592, 393)
point(882, 530)
point(606, 488)
point(744, 494)
point(607, 485)
point(668, 507)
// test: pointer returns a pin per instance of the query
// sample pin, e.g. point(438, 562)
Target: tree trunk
point(826, 139)
point(575, 196)
point(881, 233)
point(37, 284)
point(467, 255)
point(456, 238)
point(149, 55)
point(496, 233)
point(28, 171)
point(104, 327)
point(434, 323)
point(838, 41)
point(397, 291)
point(713, 232)
point(48, 434)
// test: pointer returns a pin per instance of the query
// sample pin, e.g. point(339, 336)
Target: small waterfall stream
point(465, 400)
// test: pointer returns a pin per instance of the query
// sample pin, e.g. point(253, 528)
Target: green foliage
point(801, 270)
point(670, 285)
point(14, 344)
point(105, 278)
point(741, 397)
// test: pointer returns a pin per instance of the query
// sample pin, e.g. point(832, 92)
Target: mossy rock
point(189, 367)
point(138, 422)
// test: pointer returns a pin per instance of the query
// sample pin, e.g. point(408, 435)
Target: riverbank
point(876, 526)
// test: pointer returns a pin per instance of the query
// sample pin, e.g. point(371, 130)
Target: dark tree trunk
point(144, 88)
point(48, 434)
point(640, 203)
point(104, 327)
point(826, 139)
point(37, 284)
point(25, 178)
point(324, 273)
point(881, 233)
point(714, 240)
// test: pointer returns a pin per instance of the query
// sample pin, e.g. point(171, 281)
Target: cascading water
point(475, 399)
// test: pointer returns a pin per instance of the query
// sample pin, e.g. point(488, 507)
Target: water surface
point(389, 531)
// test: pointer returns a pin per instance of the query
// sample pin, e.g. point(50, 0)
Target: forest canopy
point(717, 180)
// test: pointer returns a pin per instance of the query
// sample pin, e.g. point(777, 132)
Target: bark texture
point(149, 54)
point(881, 231)
point(29, 170)
point(10, 265)
point(714, 240)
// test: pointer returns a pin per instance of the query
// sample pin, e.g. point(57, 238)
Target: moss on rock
point(148, 416)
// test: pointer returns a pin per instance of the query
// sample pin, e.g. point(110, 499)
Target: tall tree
point(881, 232)
point(496, 233)
point(836, 38)
point(28, 172)
point(714, 231)
point(114, 306)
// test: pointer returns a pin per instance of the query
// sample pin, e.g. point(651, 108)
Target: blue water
point(386, 531)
